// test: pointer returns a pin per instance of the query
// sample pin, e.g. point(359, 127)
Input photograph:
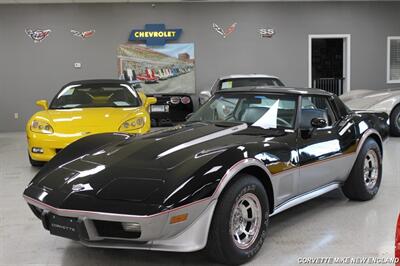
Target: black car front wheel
point(240, 221)
point(365, 177)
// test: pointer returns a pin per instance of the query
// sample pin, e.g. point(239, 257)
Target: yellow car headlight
point(132, 124)
point(41, 127)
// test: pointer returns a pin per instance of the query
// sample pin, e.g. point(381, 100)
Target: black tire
point(153, 122)
point(35, 163)
point(395, 122)
point(355, 187)
point(221, 245)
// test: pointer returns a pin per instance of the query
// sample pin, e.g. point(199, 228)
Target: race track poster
point(164, 69)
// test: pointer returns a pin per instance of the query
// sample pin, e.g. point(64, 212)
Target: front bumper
point(49, 143)
point(157, 232)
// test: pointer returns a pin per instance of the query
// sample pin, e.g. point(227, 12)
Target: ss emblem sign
point(266, 33)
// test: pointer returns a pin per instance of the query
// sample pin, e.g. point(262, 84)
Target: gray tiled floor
point(328, 226)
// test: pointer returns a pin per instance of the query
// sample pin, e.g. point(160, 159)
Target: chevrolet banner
point(155, 34)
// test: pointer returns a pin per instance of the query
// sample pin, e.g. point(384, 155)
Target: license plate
point(63, 226)
point(159, 108)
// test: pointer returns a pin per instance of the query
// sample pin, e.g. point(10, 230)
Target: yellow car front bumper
point(49, 144)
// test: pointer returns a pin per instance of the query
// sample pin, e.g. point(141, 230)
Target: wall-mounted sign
point(222, 32)
point(167, 69)
point(83, 34)
point(155, 34)
point(37, 35)
point(266, 33)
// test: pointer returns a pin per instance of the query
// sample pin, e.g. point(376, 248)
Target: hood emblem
point(81, 187)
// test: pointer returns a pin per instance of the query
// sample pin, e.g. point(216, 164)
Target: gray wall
point(31, 71)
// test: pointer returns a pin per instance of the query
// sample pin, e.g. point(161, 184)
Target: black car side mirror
point(314, 124)
point(318, 123)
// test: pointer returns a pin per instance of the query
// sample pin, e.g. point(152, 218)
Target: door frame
point(346, 56)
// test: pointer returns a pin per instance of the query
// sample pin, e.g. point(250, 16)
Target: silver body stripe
point(305, 197)
point(209, 137)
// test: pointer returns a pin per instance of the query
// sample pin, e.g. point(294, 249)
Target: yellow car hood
point(89, 120)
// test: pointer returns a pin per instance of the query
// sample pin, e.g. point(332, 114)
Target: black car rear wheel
point(395, 122)
point(240, 221)
point(365, 177)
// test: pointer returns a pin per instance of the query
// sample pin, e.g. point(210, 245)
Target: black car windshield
point(95, 95)
point(259, 110)
point(249, 82)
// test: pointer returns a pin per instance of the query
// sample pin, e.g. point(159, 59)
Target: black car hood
point(148, 170)
point(141, 169)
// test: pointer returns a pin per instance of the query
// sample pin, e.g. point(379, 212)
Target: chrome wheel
point(245, 220)
point(371, 169)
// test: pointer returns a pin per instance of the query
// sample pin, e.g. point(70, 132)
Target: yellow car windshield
point(95, 95)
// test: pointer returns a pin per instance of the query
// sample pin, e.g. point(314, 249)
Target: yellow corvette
point(83, 108)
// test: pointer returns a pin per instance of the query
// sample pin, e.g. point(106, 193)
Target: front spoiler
point(157, 232)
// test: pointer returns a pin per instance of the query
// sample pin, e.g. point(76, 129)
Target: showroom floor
point(328, 226)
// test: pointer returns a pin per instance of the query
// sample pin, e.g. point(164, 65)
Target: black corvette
point(214, 181)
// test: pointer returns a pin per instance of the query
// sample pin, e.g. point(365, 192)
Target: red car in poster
point(148, 77)
point(397, 242)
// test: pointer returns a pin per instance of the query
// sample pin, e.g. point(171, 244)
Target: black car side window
point(341, 108)
point(316, 107)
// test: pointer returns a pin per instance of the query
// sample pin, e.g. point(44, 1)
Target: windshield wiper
point(226, 123)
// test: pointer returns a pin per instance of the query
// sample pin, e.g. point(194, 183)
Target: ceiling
point(163, 1)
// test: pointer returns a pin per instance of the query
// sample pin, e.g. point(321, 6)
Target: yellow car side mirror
point(43, 103)
point(150, 100)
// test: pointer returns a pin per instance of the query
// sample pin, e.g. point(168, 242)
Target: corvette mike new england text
point(348, 260)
